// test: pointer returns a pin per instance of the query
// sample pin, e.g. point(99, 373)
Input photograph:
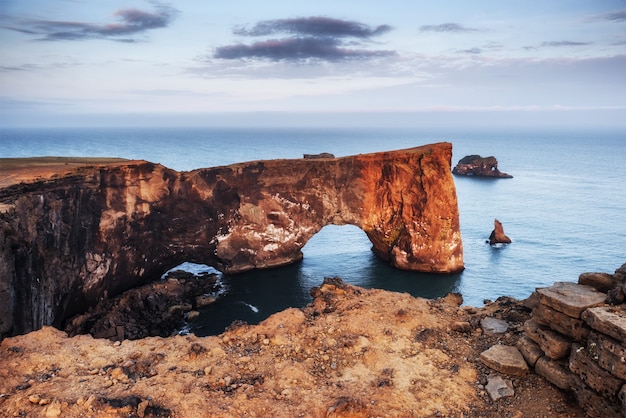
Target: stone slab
point(609, 320)
point(590, 372)
point(493, 326)
point(570, 298)
point(553, 344)
point(529, 349)
point(558, 321)
point(555, 372)
point(497, 387)
point(505, 359)
point(594, 405)
point(608, 352)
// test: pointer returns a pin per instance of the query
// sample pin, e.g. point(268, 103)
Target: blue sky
point(135, 62)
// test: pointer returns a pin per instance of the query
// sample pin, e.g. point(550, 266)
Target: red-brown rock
point(86, 229)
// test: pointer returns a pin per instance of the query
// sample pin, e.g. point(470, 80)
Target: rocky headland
point(475, 165)
point(75, 231)
point(351, 352)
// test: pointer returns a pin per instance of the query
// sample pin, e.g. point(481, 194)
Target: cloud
point(564, 43)
point(616, 16)
point(471, 51)
point(446, 27)
point(131, 22)
point(316, 26)
point(296, 49)
point(309, 38)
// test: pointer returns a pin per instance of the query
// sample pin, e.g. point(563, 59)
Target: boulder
point(475, 165)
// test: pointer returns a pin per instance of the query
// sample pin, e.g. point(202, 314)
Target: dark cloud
point(314, 26)
point(565, 43)
point(446, 27)
point(311, 38)
point(296, 49)
point(131, 22)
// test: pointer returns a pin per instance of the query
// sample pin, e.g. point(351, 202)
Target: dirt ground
point(18, 170)
point(351, 353)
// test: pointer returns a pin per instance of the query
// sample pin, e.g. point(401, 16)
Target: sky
point(286, 62)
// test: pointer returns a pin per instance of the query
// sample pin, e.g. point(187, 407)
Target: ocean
point(564, 209)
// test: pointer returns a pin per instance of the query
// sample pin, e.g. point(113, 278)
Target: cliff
point(73, 231)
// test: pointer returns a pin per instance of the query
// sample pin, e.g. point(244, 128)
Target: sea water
point(564, 209)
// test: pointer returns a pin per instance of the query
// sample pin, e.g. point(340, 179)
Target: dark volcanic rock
point(475, 165)
point(91, 230)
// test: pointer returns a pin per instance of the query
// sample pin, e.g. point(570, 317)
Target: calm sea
point(565, 208)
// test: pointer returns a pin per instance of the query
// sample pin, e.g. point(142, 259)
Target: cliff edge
point(78, 230)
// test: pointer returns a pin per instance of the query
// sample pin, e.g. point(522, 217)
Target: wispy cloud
point(615, 16)
point(130, 22)
point(447, 27)
point(471, 51)
point(564, 43)
point(309, 38)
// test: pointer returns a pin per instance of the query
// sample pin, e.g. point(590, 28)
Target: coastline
point(351, 352)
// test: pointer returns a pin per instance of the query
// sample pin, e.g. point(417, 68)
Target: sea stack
point(475, 165)
point(497, 235)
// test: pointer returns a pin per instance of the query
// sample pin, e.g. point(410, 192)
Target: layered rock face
point(95, 230)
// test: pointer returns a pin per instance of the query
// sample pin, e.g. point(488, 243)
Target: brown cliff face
point(97, 229)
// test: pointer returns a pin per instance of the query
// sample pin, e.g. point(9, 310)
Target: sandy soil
point(351, 353)
point(26, 170)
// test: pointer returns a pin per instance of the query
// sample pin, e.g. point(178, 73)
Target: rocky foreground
point(352, 352)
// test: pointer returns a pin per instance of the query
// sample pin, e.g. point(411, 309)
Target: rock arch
point(100, 229)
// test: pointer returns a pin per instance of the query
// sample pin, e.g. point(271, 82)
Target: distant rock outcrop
point(497, 235)
point(475, 165)
point(95, 229)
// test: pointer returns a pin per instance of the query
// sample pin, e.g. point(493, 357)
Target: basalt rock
point(497, 235)
point(79, 231)
point(475, 165)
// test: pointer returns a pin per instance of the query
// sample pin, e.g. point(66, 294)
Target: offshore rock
point(497, 235)
point(73, 231)
point(475, 165)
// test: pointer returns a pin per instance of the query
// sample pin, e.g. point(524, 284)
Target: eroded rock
point(475, 165)
point(497, 235)
point(84, 231)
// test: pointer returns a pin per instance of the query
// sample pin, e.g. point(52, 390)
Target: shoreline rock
point(351, 352)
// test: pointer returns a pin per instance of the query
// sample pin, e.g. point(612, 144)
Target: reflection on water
point(334, 251)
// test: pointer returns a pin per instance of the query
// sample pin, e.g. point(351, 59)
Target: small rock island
point(475, 165)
